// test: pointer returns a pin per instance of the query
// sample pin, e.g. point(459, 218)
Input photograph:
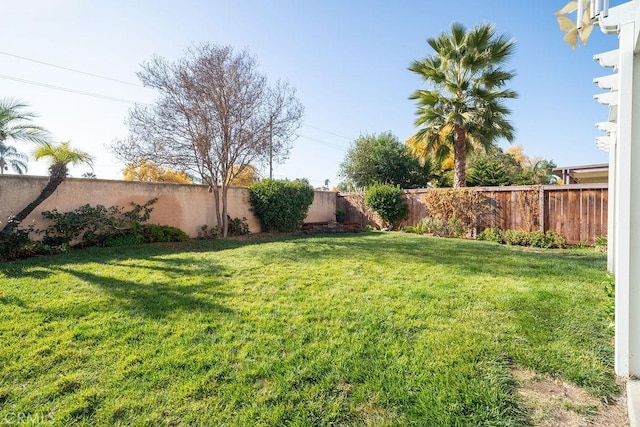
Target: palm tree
point(464, 108)
point(9, 156)
point(15, 123)
point(60, 156)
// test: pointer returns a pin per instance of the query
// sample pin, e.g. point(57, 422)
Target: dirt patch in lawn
point(553, 402)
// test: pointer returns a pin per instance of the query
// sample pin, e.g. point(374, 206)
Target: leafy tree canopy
point(148, 171)
point(244, 176)
point(512, 166)
point(382, 158)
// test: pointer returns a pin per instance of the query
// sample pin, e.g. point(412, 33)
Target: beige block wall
point(187, 207)
point(323, 208)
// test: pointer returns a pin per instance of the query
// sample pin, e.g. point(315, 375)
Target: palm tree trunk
point(460, 157)
point(58, 174)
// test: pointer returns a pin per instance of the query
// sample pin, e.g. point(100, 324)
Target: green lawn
point(371, 329)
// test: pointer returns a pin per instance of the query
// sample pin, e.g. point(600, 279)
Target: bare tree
point(215, 113)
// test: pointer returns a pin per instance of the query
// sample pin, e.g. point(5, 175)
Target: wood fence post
point(541, 209)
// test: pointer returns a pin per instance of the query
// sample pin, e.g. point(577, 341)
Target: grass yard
point(372, 329)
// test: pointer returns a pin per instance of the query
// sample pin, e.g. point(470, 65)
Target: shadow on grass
point(42, 267)
point(159, 298)
point(165, 293)
point(12, 300)
point(463, 257)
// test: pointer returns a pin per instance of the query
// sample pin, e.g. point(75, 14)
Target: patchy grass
point(371, 329)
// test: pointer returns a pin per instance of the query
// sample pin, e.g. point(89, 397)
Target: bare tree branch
point(215, 113)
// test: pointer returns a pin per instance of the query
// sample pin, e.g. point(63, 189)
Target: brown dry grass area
point(552, 402)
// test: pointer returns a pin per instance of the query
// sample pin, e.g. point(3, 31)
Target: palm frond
point(63, 154)
point(15, 123)
point(467, 82)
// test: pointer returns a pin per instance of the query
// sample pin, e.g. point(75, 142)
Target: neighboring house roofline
point(583, 173)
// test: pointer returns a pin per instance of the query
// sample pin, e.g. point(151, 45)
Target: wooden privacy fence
point(577, 211)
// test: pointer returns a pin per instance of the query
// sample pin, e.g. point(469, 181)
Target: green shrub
point(419, 228)
point(238, 227)
point(281, 205)
point(548, 239)
point(601, 243)
point(387, 201)
point(151, 233)
point(610, 303)
point(207, 232)
point(93, 225)
point(557, 239)
point(437, 226)
point(492, 235)
point(18, 244)
point(89, 224)
point(538, 238)
point(455, 226)
point(146, 233)
point(128, 239)
point(516, 237)
point(13, 245)
point(409, 229)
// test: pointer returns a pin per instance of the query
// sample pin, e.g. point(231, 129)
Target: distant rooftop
point(583, 174)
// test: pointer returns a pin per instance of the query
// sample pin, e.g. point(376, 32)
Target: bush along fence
point(578, 212)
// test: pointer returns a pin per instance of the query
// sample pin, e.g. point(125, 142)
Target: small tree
point(492, 168)
point(464, 107)
point(61, 156)
point(383, 158)
point(281, 205)
point(387, 201)
point(215, 110)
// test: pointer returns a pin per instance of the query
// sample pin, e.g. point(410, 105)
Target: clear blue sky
point(347, 59)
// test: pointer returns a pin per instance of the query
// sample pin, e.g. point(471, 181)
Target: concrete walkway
point(633, 402)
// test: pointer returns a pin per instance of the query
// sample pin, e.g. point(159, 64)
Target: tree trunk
point(58, 173)
point(460, 157)
point(215, 189)
point(225, 217)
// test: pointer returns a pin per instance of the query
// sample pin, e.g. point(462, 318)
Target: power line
point(329, 132)
point(73, 70)
point(110, 79)
point(325, 143)
point(66, 89)
point(129, 101)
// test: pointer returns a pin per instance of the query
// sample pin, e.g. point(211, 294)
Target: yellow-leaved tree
point(150, 172)
point(243, 176)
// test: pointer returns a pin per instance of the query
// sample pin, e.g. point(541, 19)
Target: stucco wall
point(323, 208)
point(187, 207)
